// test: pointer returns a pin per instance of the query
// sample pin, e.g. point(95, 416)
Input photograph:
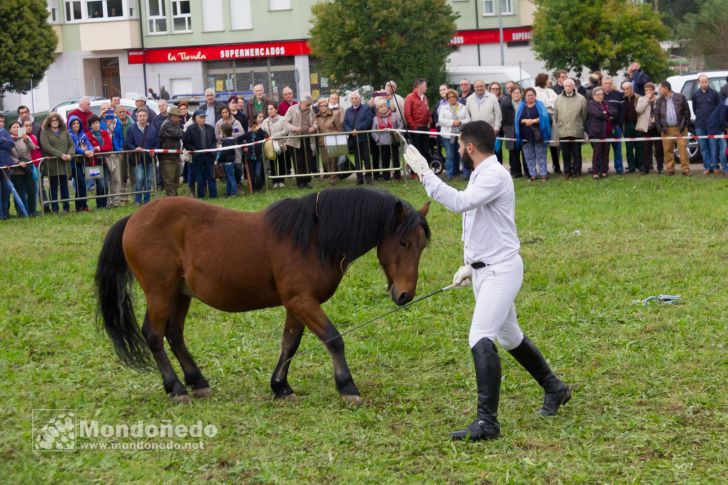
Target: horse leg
point(313, 316)
point(153, 331)
point(289, 344)
point(175, 337)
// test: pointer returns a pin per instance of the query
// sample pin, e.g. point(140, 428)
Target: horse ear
point(400, 211)
point(425, 209)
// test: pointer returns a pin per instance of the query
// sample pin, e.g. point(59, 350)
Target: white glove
point(416, 161)
point(461, 278)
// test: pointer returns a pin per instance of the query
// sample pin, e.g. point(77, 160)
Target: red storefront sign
point(295, 48)
point(220, 52)
point(491, 36)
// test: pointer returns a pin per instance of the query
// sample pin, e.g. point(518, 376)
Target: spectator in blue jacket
point(122, 171)
point(141, 136)
point(638, 78)
point(705, 100)
point(359, 117)
point(6, 144)
point(533, 139)
point(84, 151)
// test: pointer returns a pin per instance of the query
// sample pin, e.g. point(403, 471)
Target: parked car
point(488, 74)
point(687, 84)
point(64, 109)
point(196, 99)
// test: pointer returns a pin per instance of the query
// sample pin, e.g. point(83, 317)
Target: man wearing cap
point(170, 138)
point(493, 263)
point(141, 104)
point(201, 136)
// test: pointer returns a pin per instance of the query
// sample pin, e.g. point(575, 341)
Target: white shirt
point(488, 205)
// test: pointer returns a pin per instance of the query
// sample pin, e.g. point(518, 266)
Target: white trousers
point(495, 288)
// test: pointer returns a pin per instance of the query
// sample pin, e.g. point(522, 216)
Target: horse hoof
point(181, 399)
point(352, 400)
point(202, 392)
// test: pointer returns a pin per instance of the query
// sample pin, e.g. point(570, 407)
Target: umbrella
point(18, 201)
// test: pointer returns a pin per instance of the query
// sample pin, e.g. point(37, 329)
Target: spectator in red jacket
point(83, 112)
point(417, 116)
point(287, 101)
point(101, 141)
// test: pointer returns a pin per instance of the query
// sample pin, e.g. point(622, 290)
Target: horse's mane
point(344, 222)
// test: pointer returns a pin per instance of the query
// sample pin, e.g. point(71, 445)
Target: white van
point(488, 74)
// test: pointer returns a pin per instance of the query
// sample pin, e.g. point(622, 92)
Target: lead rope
point(394, 310)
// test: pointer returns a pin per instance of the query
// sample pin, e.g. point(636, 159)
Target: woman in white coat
point(451, 118)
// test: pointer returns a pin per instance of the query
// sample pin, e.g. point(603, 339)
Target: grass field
point(650, 405)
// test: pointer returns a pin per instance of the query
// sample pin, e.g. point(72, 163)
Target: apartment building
point(109, 47)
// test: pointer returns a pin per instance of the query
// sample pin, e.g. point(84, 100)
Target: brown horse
point(294, 254)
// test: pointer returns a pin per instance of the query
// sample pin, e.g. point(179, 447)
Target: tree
point(706, 33)
point(27, 44)
point(599, 35)
point(373, 41)
point(673, 11)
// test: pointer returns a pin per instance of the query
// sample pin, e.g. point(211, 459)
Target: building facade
point(109, 47)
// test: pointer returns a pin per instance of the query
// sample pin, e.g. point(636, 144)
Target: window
point(53, 11)
point(157, 17)
point(241, 16)
point(181, 17)
point(114, 8)
point(279, 4)
point(73, 11)
point(95, 10)
point(212, 19)
point(489, 7)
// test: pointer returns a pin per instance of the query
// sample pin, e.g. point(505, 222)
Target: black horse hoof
point(180, 399)
point(202, 392)
point(352, 400)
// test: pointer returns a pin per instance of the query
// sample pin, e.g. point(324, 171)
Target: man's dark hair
point(481, 135)
point(417, 82)
point(23, 107)
point(2, 117)
point(666, 85)
point(91, 120)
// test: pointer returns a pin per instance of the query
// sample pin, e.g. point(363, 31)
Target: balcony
point(108, 36)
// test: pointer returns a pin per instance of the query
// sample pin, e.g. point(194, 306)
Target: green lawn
point(650, 402)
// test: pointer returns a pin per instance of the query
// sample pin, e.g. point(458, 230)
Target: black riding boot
point(557, 393)
point(488, 378)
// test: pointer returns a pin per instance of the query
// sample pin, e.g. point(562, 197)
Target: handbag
point(537, 135)
point(269, 152)
point(219, 171)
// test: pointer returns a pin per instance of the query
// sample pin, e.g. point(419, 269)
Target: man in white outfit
point(493, 263)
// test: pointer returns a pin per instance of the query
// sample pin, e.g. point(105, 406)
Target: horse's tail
point(113, 285)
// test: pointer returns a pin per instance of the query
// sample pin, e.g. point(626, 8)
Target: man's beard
point(467, 161)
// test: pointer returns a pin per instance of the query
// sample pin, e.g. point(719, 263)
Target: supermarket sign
point(220, 52)
point(491, 36)
point(295, 48)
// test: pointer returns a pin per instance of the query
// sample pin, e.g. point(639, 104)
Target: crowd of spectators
point(554, 117)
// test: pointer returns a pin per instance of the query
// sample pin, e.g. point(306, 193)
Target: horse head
point(400, 250)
